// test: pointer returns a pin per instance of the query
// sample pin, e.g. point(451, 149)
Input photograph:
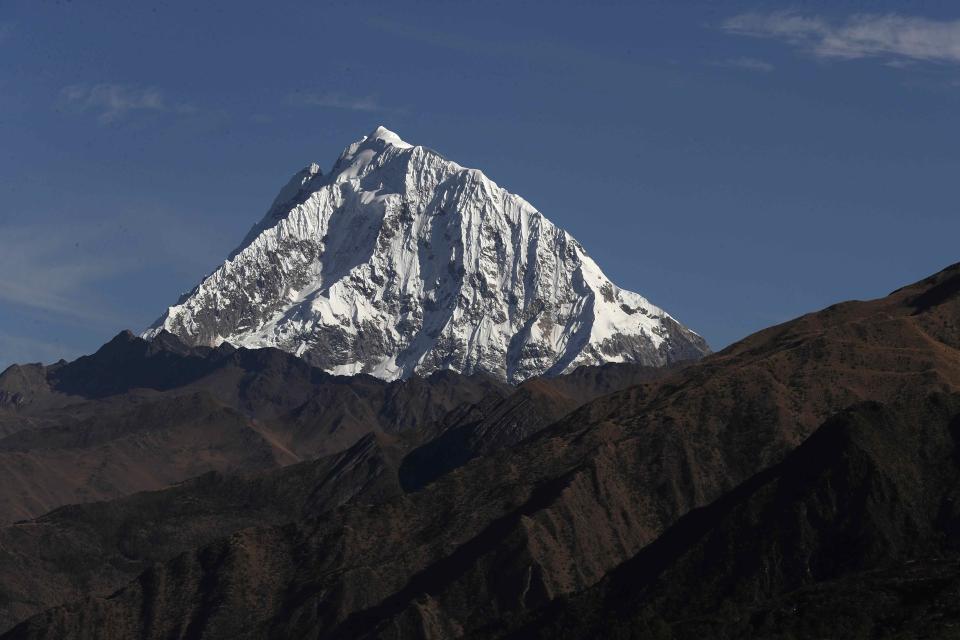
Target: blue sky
point(737, 163)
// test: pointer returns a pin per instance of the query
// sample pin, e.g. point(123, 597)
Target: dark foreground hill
point(678, 507)
point(256, 437)
point(856, 534)
point(140, 415)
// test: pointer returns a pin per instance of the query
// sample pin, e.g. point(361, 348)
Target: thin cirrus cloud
point(63, 267)
point(45, 270)
point(19, 348)
point(113, 102)
point(896, 38)
point(334, 100)
point(749, 64)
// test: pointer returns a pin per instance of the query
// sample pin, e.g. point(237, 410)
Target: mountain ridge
point(525, 528)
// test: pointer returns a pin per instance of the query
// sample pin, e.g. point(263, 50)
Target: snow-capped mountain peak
point(401, 261)
point(388, 137)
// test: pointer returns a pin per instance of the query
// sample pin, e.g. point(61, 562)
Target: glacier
point(400, 262)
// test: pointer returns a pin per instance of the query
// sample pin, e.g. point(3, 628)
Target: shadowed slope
point(870, 500)
point(140, 415)
point(94, 548)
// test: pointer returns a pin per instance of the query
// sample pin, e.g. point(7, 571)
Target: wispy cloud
point(45, 269)
point(22, 349)
point(749, 64)
point(335, 100)
point(113, 102)
point(896, 38)
point(6, 30)
point(71, 265)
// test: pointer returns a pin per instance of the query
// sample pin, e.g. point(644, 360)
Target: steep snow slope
point(401, 261)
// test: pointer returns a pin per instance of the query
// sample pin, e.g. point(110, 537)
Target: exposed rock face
point(401, 261)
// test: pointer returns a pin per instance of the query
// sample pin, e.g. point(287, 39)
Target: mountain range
point(408, 406)
point(800, 483)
